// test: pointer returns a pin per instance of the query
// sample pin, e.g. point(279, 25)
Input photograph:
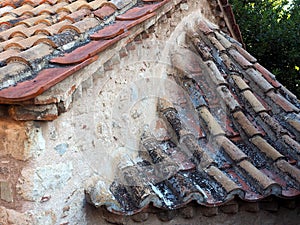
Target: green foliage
point(271, 32)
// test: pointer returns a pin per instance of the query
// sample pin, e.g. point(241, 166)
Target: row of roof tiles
point(28, 44)
point(32, 32)
point(249, 148)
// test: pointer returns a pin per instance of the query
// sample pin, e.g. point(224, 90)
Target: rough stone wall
point(46, 166)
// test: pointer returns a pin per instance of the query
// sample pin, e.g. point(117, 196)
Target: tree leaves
point(271, 32)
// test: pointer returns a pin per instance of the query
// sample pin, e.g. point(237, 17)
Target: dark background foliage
point(271, 32)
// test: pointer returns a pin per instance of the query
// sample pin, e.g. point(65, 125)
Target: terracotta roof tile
point(121, 3)
point(243, 62)
point(228, 98)
point(265, 147)
point(81, 26)
point(5, 35)
point(5, 10)
point(21, 10)
point(259, 80)
point(289, 169)
point(45, 79)
point(8, 53)
point(215, 74)
point(52, 30)
point(256, 105)
point(231, 149)
point(34, 20)
point(216, 43)
point(96, 4)
point(33, 3)
point(43, 9)
point(136, 13)
point(86, 51)
point(267, 75)
point(262, 180)
point(241, 84)
point(104, 11)
point(273, 124)
point(282, 102)
point(29, 42)
point(5, 44)
point(221, 178)
point(13, 73)
point(245, 124)
point(76, 5)
point(294, 145)
point(111, 31)
point(224, 41)
point(77, 15)
point(212, 125)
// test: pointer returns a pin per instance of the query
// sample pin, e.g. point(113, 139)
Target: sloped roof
point(34, 34)
point(247, 139)
point(246, 143)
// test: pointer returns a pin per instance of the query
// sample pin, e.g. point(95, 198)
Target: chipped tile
point(253, 101)
point(44, 80)
point(259, 80)
point(243, 62)
point(231, 149)
point(264, 181)
point(211, 123)
point(246, 125)
point(265, 147)
point(289, 169)
point(104, 11)
point(282, 102)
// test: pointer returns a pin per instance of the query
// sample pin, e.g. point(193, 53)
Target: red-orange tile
point(104, 11)
point(267, 75)
point(135, 13)
point(110, 31)
point(43, 81)
point(84, 52)
point(282, 102)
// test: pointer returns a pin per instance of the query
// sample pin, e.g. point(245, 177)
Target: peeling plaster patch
point(35, 183)
point(36, 143)
point(61, 148)
point(46, 218)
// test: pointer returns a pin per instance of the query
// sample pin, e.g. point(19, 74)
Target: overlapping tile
point(261, 158)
